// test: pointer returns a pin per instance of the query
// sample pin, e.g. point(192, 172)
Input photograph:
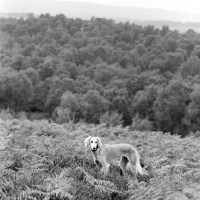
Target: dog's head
point(93, 142)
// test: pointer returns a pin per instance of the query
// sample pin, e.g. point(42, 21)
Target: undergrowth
point(47, 161)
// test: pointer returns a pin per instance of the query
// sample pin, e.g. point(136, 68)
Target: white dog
point(105, 154)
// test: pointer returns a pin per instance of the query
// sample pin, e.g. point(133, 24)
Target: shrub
point(21, 115)
point(6, 114)
point(139, 124)
point(36, 116)
point(195, 134)
point(111, 119)
point(61, 115)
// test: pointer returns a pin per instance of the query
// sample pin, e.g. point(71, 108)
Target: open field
point(41, 160)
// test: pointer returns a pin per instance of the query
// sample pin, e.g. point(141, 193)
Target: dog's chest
point(97, 156)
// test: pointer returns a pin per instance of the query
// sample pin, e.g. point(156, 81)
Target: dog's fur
point(106, 154)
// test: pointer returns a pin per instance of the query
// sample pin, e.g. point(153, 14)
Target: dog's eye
point(96, 142)
point(91, 141)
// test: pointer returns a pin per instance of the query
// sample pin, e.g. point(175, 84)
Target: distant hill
point(87, 10)
point(14, 15)
point(175, 20)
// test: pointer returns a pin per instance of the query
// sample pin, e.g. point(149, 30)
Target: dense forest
point(99, 71)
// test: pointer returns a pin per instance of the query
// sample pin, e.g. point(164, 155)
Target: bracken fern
point(41, 160)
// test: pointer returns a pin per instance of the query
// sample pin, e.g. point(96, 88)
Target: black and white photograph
point(99, 100)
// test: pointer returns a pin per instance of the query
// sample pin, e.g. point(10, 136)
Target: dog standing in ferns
point(106, 154)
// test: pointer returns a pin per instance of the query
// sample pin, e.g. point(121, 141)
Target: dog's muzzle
point(94, 148)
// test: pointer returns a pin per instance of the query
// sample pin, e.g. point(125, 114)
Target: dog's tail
point(138, 167)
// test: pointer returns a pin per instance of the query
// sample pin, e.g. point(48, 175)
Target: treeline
point(74, 69)
point(174, 25)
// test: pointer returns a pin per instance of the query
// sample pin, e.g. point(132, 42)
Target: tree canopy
point(95, 67)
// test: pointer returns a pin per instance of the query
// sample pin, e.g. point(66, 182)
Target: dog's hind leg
point(133, 161)
point(122, 163)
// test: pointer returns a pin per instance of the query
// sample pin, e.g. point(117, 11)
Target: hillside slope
point(44, 160)
point(86, 10)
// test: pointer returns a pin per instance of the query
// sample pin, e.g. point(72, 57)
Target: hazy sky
point(191, 6)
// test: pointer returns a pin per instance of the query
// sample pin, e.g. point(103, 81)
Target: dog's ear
point(87, 141)
point(99, 141)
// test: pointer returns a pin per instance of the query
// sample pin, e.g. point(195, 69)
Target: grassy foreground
point(47, 161)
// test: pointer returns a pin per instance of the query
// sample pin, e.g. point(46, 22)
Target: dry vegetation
point(41, 160)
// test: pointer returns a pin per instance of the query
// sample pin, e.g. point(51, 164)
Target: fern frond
point(59, 185)
point(193, 174)
point(100, 185)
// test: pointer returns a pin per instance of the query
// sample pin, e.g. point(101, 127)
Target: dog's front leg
point(102, 170)
point(98, 165)
point(104, 164)
point(105, 168)
point(96, 162)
